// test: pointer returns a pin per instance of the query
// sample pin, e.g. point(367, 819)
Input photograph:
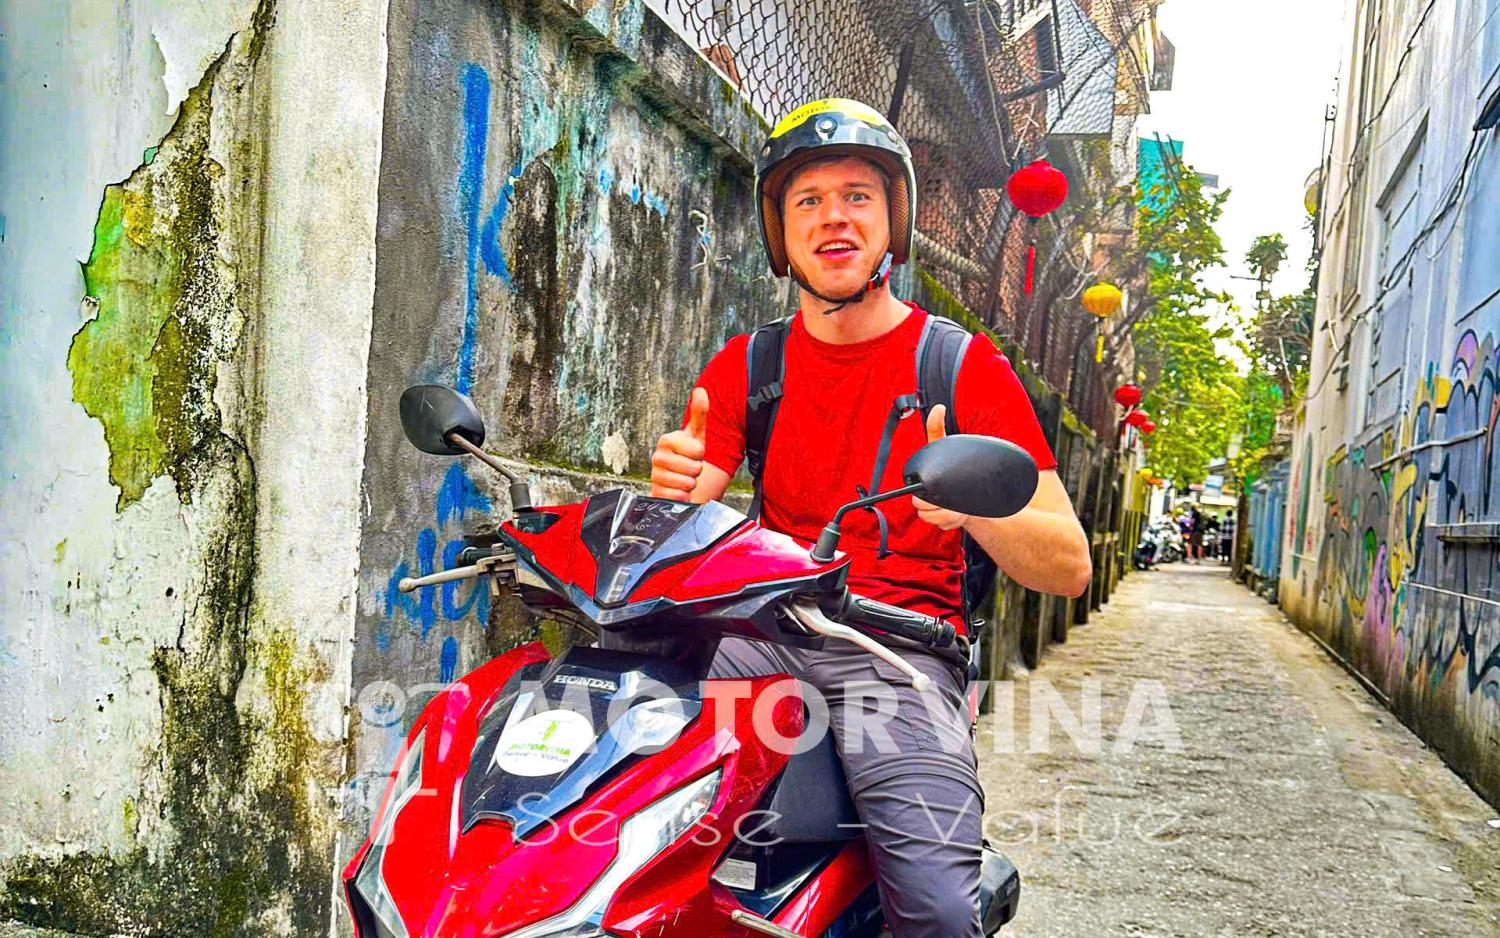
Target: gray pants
point(910, 762)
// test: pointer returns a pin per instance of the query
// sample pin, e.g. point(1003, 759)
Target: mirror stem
point(822, 551)
point(914, 489)
point(520, 492)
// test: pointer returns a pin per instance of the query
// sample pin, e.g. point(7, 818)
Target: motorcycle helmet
point(834, 127)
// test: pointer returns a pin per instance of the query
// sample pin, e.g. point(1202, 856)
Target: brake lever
point(499, 563)
point(813, 618)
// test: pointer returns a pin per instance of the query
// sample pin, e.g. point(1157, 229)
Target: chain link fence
point(978, 88)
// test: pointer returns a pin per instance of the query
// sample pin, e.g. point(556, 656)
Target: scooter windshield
point(554, 735)
point(631, 535)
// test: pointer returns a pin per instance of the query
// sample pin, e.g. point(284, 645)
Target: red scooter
point(611, 791)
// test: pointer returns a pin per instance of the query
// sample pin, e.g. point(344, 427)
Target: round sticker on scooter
point(544, 743)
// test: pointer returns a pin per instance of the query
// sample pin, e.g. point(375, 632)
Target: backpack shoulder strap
point(940, 354)
point(765, 366)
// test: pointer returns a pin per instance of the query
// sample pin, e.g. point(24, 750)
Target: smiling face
point(836, 223)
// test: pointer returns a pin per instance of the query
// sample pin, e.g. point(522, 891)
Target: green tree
point(1265, 256)
point(1281, 339)
point(1280, 344)
point(1193, 391)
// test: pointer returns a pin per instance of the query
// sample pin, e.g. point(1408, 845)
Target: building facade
point(1390, 553)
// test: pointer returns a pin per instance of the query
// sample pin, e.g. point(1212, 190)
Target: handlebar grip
point(928, 630)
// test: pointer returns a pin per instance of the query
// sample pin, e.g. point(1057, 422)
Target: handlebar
point(815, 621)
point(926, 630)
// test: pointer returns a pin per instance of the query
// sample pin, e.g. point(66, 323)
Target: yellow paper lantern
point(1145, 473)
point(1102, 299)
point(1312, 191)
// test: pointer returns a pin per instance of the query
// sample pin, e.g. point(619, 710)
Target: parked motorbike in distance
point(1173, 548)
point(1161, 542)
point(1144, 557)
point(478, 831)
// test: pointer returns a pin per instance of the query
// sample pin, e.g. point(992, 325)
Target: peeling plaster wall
point(1391, 543)
point(176, 610)
point(565, 233)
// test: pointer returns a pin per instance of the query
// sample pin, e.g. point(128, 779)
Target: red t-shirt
point(828, 428)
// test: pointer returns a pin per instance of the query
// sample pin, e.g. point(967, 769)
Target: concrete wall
point(186, 190)
point(1391, 552)
point(566, 234)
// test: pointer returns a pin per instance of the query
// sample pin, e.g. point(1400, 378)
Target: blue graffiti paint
point(448, 660)
point(421, 608)
point(438, 546)
point(476, 118)
point(606, 179)
point(457, 496)
point(635, 194)
point(657, 204)
point(490, 250)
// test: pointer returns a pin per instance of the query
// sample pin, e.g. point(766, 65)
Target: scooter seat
point(811, 802)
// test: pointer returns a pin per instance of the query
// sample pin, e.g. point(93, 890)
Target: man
point(1226, 537)
point(835, 190)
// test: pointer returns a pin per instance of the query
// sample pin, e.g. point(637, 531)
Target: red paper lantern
point(1148, 427)
point(1138, 418)
point(1036, 190)
point(1127, 395)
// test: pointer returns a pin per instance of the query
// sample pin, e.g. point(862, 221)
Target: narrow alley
point(1294, 805)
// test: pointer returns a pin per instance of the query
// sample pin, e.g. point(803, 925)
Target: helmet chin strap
point(878, 278)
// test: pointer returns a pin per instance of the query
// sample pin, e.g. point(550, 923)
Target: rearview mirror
point(973, 475)
point(443, 422)
point(431, 413)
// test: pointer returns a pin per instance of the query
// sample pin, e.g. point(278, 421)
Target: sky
point(1251, 83)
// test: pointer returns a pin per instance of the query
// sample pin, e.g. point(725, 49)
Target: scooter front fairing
point(511, 815)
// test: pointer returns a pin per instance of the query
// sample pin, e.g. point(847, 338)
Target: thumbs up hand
point(697, 425)
point(678, 459)
point(928, 512)
point(936, 427)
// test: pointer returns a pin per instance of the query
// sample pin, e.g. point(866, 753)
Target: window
point(1390, 326)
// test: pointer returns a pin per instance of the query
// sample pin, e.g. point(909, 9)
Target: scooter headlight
point(370, 881)
point(643, 835)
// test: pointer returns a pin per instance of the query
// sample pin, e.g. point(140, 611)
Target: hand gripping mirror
point(973, 475)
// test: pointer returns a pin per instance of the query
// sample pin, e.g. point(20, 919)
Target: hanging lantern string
point(1036, 189)
point(1030, 254)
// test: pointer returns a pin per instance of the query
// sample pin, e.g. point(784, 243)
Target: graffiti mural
point(451, 602)
point(1412, 576)
point(436, 546)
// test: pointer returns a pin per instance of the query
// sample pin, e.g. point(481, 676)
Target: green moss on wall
point(144, 366)
point(237, 846)
point(246, 840)
point(936, 299)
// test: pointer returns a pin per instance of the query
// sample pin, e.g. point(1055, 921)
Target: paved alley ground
point(1295, 804)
